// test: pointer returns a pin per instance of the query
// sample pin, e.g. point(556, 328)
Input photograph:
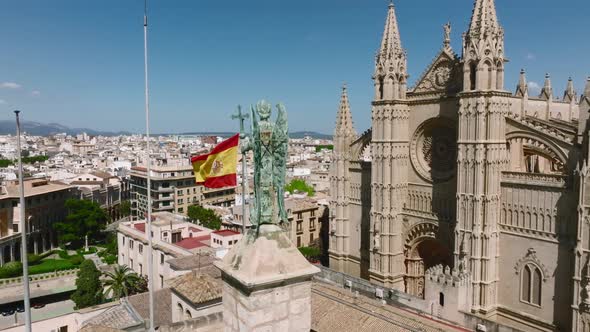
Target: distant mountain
point(297, 134)
point(45, 129)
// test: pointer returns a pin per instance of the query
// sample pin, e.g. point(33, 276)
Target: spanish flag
point(217, 169)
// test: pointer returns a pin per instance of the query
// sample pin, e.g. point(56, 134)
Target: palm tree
point(121, 282)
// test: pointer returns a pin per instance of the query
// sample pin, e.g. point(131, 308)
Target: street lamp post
point(23, 230)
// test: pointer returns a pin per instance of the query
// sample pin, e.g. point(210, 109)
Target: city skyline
point(80, 65)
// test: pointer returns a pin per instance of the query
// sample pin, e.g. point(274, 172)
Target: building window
point(161, 281)
point(530, 284)
point(63, 329)
point(123, 241)
point(441, 299)
point(162, 258)
point(130, 244)
point(131, 263)
point(310, 238)
point(140, 248)
point(313, 213)
point(298, 241)
point(300, 226)
point(140, 269)
point(312, 223)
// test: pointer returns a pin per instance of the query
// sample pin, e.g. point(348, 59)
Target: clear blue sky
point(80, 63)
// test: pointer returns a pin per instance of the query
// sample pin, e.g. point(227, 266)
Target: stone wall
point(447, 292)
point(279, 309)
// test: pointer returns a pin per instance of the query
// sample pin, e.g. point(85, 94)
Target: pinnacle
point(547, 90)
point(522, 88)
point(484, 17)
point(570, 93)
point(391, 42)
point(344, 117)
point(587, 88)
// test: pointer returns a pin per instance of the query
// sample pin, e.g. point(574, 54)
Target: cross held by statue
point(241, 116)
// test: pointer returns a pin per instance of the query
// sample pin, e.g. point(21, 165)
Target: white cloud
point(531, 56)
point(534, 88)
point(36, 93)
point(2, 101)
point(10, 85)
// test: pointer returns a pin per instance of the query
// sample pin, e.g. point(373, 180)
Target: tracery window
point(530, 284)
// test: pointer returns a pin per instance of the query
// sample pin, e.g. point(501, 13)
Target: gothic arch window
point(472, 75)
point(381, 86)
point(531, 279)
point(486, 73)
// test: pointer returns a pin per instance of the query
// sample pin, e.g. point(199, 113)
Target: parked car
point(8, 312)
point(20, 308)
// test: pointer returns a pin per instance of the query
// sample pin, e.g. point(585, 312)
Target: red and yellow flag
point(217, 169)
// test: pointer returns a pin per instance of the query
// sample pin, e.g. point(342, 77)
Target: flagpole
point(149, 182)
point(23, 231)
point(241, 116)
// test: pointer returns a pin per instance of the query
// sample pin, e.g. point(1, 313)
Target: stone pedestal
point(267, 284)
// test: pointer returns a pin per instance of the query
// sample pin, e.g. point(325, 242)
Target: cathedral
point(465, 192)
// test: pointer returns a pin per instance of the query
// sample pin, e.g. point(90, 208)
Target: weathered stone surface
point(264, 258)
point(267, 284)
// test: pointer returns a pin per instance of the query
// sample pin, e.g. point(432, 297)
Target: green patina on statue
point(268, 142)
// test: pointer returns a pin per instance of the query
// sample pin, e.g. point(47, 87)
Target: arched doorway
point(423, 251)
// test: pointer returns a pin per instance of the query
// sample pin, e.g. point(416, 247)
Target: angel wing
point(280, 145)
point(255, 208)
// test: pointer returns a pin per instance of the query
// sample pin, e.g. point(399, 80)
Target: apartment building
point(304, 220)
point(44, 205)
point(178, 246)
point(173, 189)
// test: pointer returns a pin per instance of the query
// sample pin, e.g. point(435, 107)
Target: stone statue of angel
point(268, 142)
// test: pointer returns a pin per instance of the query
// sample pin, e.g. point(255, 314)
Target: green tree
point(88, 287)
point(125, 208)
point(299, 185)
point(85, 218)
point(123, 282)
point(205, 217)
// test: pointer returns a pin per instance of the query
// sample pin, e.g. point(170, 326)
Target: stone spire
point(547, 91)
point(484, 19)
point(391, 63)
point(570, 93)
point(587, 89)
point(344, 125)
point(391, 44)
point(522, 87)
point(483, 50)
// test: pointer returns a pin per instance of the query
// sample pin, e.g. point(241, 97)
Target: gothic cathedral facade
point(460, 179)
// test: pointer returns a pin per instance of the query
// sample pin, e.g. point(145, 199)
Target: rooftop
point(119, 317)
point(226, 232)
point(162, 306)
point(336, 309)
point(194, 242)
point(140, 227)
point(197, 288)
point(33, 187)
point(191, 262)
